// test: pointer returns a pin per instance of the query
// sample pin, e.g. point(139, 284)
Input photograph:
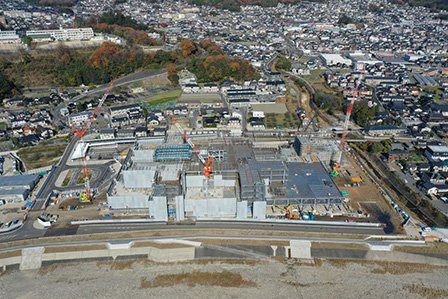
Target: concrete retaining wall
point(32, 258)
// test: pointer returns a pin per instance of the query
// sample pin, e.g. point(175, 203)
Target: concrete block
point(259, 210)
point(300, 249)
point(31, 258)
point(241, 209)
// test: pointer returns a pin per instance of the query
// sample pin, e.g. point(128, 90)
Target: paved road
point(104, 228)
point(49, 184)
point(190, 229)
point(140, 76)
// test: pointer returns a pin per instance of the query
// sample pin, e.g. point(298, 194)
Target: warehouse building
point(17, 188)
point(335, 60)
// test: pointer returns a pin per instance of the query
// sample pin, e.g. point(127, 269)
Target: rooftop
point(310, 180)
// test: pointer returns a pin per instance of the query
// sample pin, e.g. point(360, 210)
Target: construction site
point(199, 177)
point(184, 176)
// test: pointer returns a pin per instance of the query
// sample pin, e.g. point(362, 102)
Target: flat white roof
point(438, 148)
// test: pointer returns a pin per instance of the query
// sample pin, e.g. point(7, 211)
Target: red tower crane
point(80, 133)
point(348, 113)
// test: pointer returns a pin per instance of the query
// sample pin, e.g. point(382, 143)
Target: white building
point(9, 37)
point(78, 119)
point(335, 59)
point(61, 34)
point(259, 114)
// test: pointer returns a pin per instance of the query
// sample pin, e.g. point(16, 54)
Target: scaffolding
point(166, 153)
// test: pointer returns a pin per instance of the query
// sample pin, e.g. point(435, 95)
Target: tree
point(172, 73)
point(6, 86)
point(283, 63)
point(27, 40)
point(210, 47)
point(187, 48)
point(363, 113)
point(329, 102)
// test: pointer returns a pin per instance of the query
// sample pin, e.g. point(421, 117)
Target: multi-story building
point(61, 34)
point(9, 37)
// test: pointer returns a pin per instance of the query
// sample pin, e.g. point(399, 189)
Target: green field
point(3, 126)
point(281, 121)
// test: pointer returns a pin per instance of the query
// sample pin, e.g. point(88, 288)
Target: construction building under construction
point(316, 149)
point(168, 181)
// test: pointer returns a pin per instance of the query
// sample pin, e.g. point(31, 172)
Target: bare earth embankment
point(226, 279)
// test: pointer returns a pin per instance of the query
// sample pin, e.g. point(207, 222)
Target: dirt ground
point(259, 279)
point(367, 195)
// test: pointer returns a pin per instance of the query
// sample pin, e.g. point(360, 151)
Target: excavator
point(291, 212)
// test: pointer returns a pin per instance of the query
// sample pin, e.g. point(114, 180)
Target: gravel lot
point(263, 279)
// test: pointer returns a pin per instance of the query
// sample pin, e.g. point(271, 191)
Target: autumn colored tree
point(171, 69)
point(220, 67)
point(210, 46)
point(187, 48)
point(104, 55)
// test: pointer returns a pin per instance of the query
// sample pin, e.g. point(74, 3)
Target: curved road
point(135, 77)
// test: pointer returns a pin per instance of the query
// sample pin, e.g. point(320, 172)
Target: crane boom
point(80, 133)
point(347, 122)
point(85, 129)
